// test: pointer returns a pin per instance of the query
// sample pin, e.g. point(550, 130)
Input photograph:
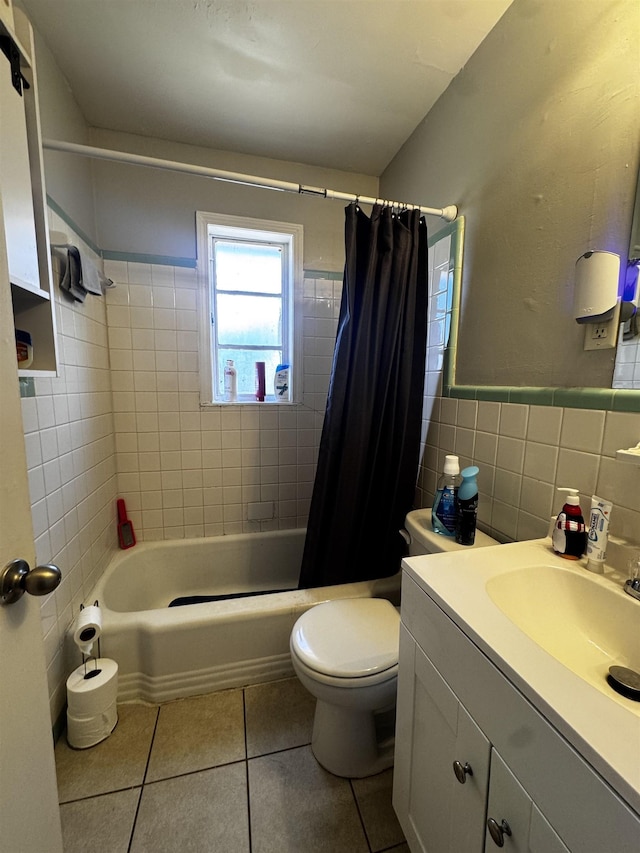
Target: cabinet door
point(15, 179)
point(437, 812)
point(510, 803)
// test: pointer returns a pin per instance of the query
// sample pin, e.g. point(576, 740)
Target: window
point(248, 270)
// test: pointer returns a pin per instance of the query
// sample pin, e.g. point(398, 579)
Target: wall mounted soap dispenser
point(595, 298)
point(596, 286)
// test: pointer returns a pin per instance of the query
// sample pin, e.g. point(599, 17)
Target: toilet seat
point(349, 639)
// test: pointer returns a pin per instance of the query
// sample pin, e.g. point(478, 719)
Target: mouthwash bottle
point(467, 506)
point(443, 514)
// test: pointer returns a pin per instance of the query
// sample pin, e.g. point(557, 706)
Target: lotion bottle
point(443, 514)
point(569, 534)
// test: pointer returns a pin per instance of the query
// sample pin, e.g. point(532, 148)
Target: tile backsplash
point(186, 470)
point(524, 453)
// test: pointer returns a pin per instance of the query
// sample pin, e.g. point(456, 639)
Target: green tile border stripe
point(584, 398)
point(617, 400)
point(625, 400)
point(333, 276)
point(142, 258)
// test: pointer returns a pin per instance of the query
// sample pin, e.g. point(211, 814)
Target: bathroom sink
point(553, 629)
point(584, 621)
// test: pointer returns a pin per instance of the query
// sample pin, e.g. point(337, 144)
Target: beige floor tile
point(100, 824)
point(196, 733)
point(279, 716)
point(197, 813)
point(116, 763)
point(374, 801)
point(297, 806)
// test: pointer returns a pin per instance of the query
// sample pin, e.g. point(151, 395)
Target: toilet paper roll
point(88, 628)
point(93, 688)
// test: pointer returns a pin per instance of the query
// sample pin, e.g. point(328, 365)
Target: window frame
point(211, 226)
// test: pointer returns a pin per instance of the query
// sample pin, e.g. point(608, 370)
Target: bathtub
point(169, 652)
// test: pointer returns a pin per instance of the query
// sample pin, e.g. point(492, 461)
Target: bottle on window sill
point(230, 382)
point(260, 381)
point(281, 384)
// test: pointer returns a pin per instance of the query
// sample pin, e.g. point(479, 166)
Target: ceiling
point(334, 83)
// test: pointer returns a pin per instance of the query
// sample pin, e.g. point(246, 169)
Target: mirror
point(626, 373)
point(443, 379)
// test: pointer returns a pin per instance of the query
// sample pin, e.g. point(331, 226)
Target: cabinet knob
point(497, 831)
point(462, 771)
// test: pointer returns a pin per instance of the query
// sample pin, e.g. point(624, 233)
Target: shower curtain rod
point(447, 213)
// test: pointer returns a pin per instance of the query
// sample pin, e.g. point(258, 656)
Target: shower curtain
point(370, 444)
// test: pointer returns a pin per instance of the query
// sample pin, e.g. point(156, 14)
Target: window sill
point(243, 403)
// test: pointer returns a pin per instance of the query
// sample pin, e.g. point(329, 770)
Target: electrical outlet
point(602, 335)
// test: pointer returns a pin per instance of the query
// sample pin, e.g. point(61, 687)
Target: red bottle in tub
point(126, 536)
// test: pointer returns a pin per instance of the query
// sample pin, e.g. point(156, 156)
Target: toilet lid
point(348, 638)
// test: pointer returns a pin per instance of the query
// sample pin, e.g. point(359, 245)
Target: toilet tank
point(422, 539)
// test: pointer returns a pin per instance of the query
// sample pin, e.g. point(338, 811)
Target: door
point(441, 807)
point(28, 792)
point(513, 820)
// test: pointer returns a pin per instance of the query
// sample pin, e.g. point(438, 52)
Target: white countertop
point(603, 726)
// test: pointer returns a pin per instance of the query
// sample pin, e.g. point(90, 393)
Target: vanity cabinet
point(509, 802)
point(433, 730)
point(459, 716)
point(22, 192)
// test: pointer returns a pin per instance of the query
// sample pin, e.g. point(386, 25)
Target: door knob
point(17, 578)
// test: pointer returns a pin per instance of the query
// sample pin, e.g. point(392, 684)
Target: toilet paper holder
point(88, 631)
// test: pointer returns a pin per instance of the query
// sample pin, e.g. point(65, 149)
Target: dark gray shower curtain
point(370, 444)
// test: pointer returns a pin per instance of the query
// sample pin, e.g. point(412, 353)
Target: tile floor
point(230, 772)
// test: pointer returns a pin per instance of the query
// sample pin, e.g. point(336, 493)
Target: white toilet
point(345, 652)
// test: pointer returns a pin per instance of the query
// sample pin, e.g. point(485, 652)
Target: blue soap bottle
point(443, 514)
point(467, 506)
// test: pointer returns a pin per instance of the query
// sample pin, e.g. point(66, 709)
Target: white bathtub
point(168, 652)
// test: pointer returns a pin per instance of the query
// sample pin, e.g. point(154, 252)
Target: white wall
point(68, 178)
point(153, 212)
point(71, 462)
point(537, 141)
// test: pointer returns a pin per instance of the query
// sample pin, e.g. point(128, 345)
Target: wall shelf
point(24, 197)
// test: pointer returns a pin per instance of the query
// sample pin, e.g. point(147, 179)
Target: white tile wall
point(71, 463)
point(188, 471)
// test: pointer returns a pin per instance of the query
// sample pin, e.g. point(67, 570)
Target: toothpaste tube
point(597, 534)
